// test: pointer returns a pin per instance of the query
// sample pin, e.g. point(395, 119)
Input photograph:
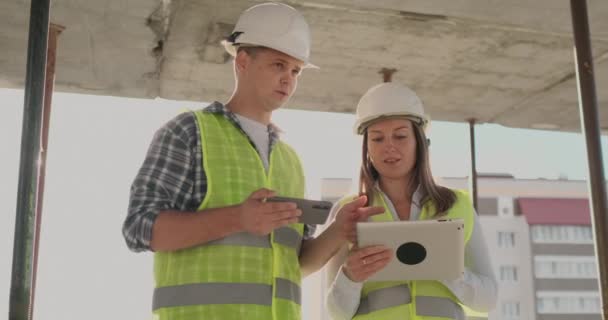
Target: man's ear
point(241, 61)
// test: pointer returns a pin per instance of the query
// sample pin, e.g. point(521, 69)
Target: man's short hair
point(251, 50)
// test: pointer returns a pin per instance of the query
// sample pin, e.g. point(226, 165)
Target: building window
point(510, 310)
point(508, 273)
point(567, 302)
point(565, 267)
point(562, 234)
point(506, 239)
point(505, 206)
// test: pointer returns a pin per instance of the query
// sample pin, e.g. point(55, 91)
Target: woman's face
point(391, 146)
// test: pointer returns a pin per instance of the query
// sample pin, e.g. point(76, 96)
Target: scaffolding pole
point(22, 275)
point(591, 129)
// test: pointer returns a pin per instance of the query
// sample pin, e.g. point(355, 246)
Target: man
point(198, 202)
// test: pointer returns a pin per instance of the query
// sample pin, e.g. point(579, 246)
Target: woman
point(396, 175)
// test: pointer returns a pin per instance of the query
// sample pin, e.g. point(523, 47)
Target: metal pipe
point(20, 305)
point(583, 57)
point(473, 175)
point(54, 32)
point(387, 74)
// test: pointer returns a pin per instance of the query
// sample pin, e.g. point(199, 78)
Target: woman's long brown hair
point(441, 197)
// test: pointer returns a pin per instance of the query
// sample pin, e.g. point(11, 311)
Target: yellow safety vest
point(241, 276)
point(416, 300)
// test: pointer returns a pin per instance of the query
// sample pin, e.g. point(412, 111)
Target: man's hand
point(351, 213)
point(261, 218)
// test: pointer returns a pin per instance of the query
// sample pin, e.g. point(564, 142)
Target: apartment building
point(539, 235)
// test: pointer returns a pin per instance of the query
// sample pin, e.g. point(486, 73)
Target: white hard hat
point(272, 25)
point(388, 100)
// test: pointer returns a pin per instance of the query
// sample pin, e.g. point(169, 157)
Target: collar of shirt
point(220, 108)
point(416, 197)
point(414, 208)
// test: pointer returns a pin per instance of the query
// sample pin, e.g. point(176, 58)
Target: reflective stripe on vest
point(438, 307)
point(284, 236)
point(224, 293)
point(400, 295)
point(288, 237)
point(385, 298)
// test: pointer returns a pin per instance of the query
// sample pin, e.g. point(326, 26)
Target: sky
point(98, 143)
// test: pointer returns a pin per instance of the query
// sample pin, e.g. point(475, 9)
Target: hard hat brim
point(360, 127)
point(231, 48)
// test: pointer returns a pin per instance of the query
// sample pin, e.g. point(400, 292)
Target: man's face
point(270, 77)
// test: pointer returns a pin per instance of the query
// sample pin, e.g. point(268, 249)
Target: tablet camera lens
point(411, 253)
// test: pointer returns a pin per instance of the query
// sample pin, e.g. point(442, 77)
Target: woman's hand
point(362, 263)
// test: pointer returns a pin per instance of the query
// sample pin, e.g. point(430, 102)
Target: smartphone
point(313, 211)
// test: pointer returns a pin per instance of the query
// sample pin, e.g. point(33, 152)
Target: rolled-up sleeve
point(164, 181)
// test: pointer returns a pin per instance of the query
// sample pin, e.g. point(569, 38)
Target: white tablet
point(422, 250)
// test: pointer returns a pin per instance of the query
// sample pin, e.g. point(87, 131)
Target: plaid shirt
point(172, 176)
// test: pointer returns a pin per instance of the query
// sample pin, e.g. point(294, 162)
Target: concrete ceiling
point(506, 62)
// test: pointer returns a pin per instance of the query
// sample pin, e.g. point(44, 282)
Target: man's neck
point(246, 109)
